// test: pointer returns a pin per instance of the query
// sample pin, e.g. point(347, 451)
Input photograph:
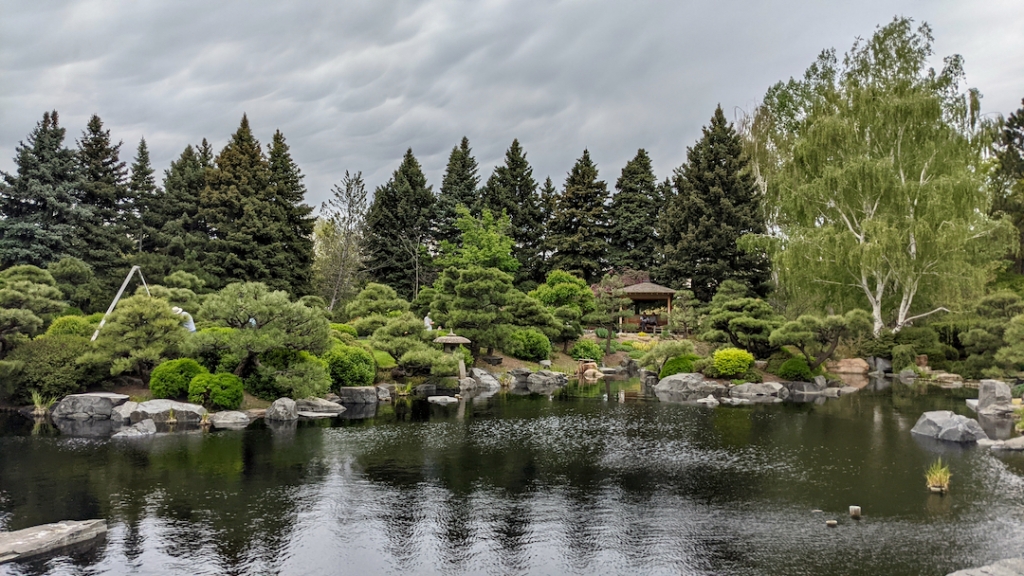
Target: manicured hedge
point(222, 391)
point(350, 366)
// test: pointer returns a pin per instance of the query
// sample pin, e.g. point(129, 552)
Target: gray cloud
point(353, 84)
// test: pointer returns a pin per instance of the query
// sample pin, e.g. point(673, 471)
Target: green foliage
point(569, 298)
point(345, 329)
point(337, 238)
point(586, 349)
point(732, 361)
point(473, 302)
point(817, 338)
point(1017, 391)
point(512, 190)
point(376, 299)
point(78, 284)
point(458, 188)
point(528, 344)
point(715, 202)
point(171, 379)
point(212, 348)
point(224, 391)
point(182, 298)
point(384, 360)
point(484, 241)
point(637, 197)
point(140, 333)
point(576, 230)
point(305, 377)
point(609, 300)
point(678, 365)
point(706, 366)
point(1012, 353)
point(656, 357)
point(367, 325)
point(400, 334)
point(423, 361)
point(48, 366)
point(795, 369)
point(903, 356)
point(350, 366)
point(73, 325)
point(740, 320)
point(776, 360)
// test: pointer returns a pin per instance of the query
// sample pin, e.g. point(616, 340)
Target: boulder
point(282, 410)
point(820, 382)
point(648, 380)
point(830, 392)
point(160, 411)
point(907, 376)
point(23, 544)
point(803, 387)
point(994, 395)
point(87, 428)
point(319, 405)
point(1014, 444)
point(847, 390)
point(763, 389)
point(144, 428)
point(879, 364)
point(630, 367)
point(545, 363)
point(687, 388)
point(424, 390)
point(96, 405)
point(850, 366)
point(948, 426)
point(442, 400)
point(357, 394)
point(710, 401)
point(485, 379)
point(947, 380)
point(123, 414)
point(229, 420)
point(359, 411)
point(383, 394)
point(332, 397)
point(520, 378)
point(545, 382)
point(303, 415)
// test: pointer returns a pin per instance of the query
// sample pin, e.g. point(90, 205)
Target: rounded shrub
point(222, 391)
point(528, 344)
point(679, 365)
point(903, 356)
point(344, 329)
point(369, 324)
point(795, 369)
point(171, 379)
point(586, 349)
point(350, 366)
point(420, 361)
point(71, 326)
point(776, 360)
point(730, 362)
point(49, 366)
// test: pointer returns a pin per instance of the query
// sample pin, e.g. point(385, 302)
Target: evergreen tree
point(632, 216)
point(512, 189)
point(142, 191)
point(459, 186)
point(40, 212)
point(715, 201)
point(290, 245)
point(577, 230)
point(398, 224)
point(1008, 199)
point(548, 201)
point(338, 240)
point(104, 241)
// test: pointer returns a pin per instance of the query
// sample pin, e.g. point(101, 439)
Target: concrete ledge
point(41, 539)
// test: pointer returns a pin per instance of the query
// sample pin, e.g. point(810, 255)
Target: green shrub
point(636, 354)
point(751, 376)
point(445, 365)
point(71, 325)
point(367, 325)
point(586, 349)
point(420, 361)
point(49, 366)
point(679, 365)
point(776, 360)
point(211, 347)
point(601, 333)
point(528, 344)
point(732, 361)
point(903, 356)
point(1017, 391)
point(795, 369)
point(345, 329)
point(222, 391)
point(659, 353)
point(171, 379)
point(384, 360)
point(350, 366)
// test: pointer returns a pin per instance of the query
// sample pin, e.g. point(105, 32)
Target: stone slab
point(442, 400)
point(37, 540)
point(303, 415)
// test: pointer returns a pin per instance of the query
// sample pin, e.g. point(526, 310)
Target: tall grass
point(938, 476)
point(41, 404)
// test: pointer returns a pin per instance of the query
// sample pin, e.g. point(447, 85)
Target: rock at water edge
point(318, 405)
point(945, 425)
point(29, 542)
point(229, 420)
point(95, 405)
point(442, 400)
point(144, 428)
point(1010, 567)
point(282, 410)
point(358, 394)
point(160, 411)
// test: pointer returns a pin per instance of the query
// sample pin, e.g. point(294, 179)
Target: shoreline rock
point(948, 426)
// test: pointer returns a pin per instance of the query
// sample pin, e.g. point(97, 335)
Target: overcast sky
point(352, 84)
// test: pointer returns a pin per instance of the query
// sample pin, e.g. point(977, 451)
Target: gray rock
point(229, 420)
point(848, 390)
point(424, 390)
point(945, 425)
point(830, 392)
point(1014, 444)
point(358, 394)
point(332, 397)
point(123, 414)
point(649, 381)
point(22, 544)
point(319, 405)
point(907, 376)
point(880, 364)
point(727, 401)
point(545, 363)
point(442, 400)
point(87, 428)
point(545, 382)
point(160, 411)
point(1009, 567)
point(520, 378)
point(383, 394)
point(710, 401)
point(305, 415)
point(687, 388)
point(993, 394)
point(143, 428)
point(803, 387)
point(96, 405)
point(760, 364)
point(762, 389)
point(630, 367)
point(282, 410)
point(820, 382)
point(484, 379)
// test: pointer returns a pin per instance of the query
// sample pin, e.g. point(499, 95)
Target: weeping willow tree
point(874, 174)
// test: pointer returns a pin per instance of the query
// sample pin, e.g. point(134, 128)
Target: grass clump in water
point(938, 476)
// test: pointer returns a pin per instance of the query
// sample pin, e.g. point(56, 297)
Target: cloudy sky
point(354, 83)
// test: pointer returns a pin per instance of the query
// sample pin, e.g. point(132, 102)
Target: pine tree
point(398, 225)
point(715, 202)
point(291, 244)
point(40, 211)
point(104, 189)
point(632, 216)
point(1008, 199)
point(459, 186)
point(548, 201)
point(577, 229)
point(142, 191)
point(512, 189)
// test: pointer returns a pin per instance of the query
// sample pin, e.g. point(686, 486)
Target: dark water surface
point(520, 485)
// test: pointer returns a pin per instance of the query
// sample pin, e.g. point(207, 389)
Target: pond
point(526, 485)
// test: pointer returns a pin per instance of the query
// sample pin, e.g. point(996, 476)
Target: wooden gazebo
point(643, 293)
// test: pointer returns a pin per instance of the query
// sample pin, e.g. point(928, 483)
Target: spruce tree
point(398, 225)
point(577, 229)
point(104, 189)
point(142, 191)
point(459, 186)
point(40, 212)
point(632, 216)
point(291, 241)
point(715, 201)
point(512, 189)
point(1008, 199)
point(548, 200)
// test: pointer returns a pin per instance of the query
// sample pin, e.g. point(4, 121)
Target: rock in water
point(230, 420)
point(319, 405)
point(358, 394)
point(994, 397)
point(945, 425)
point(123, 414)
point(144, 428)
point(545, 382)
point(41, 539)
point(383, 394)
point(160, 411)
point(484, 379)
point(96, 405)
point(755, 389)
point(710, 401)
point(282, 410)
point(442, 400)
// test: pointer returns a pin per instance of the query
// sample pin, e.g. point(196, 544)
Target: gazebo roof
point(451, 338)
point(648, 289)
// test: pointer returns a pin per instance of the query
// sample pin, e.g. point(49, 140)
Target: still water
point(526, 485)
